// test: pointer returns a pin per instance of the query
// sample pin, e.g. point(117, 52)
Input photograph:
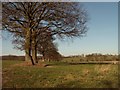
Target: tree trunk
point(28, 47)
point(34, 53)
point(34, 47)
point(27, 57)
point(43, 57)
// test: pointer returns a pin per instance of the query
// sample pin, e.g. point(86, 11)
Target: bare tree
point(27, 19)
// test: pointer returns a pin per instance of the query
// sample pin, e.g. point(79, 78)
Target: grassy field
point(59, 75)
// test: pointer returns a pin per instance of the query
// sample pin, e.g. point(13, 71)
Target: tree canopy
point(30, 22)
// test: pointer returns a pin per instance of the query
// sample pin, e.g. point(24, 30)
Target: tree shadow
point(109, 84)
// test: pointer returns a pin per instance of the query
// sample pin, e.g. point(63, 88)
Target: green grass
point(60, 75)
point(71, 59)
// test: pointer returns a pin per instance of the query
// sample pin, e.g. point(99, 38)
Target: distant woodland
point(88, 57)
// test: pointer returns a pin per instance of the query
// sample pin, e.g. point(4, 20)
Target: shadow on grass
point(69, 84)
point(109, 84)
point(78, 84)
point(56, 63)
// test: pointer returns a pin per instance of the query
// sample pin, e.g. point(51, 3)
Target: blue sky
point(102, 36)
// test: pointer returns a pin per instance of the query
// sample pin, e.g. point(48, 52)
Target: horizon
point(62, 55)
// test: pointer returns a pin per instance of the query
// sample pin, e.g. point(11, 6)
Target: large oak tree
point(27, 19)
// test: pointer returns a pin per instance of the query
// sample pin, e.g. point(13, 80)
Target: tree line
point(95, 57)
point(36, 25)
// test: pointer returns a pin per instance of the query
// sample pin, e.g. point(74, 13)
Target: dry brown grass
point(86, 71)
point(102, 70)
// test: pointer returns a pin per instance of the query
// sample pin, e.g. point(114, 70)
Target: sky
point(102, 35)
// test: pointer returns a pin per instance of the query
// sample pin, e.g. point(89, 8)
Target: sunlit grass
point(60, 75)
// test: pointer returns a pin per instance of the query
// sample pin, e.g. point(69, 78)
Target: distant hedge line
point(21, 58)
point(12, 57)
point(94, 57)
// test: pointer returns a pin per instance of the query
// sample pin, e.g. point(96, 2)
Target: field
point(59, 75)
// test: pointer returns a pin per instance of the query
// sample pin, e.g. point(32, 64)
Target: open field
point(59, 75)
